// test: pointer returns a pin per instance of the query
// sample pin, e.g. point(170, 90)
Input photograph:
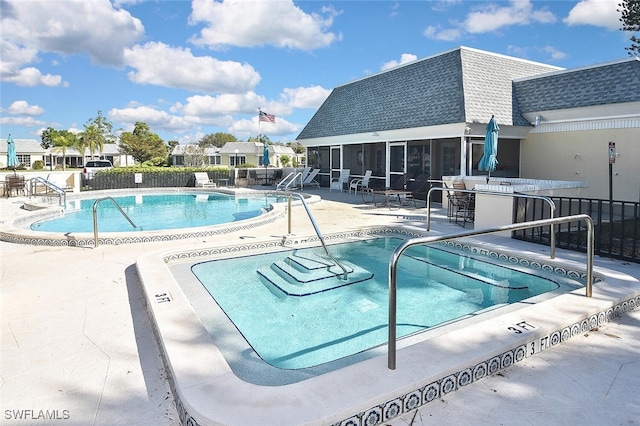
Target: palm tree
point(61, 142)
point(92, 139)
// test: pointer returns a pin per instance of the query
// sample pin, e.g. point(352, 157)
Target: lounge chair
point(339, 182)
point(361, 184)
point(304, 174)
point(203, 181)
point(419, 190)
point(311, 179)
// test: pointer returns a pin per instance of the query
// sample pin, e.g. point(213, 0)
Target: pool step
point(302, 276)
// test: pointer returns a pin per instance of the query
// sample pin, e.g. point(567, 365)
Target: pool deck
point(77, 347)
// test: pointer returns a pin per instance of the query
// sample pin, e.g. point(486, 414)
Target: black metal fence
point(151, 179)
point(616, 225)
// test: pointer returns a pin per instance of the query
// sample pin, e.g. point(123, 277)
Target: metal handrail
point(345, 273)
point(395, 256)
point(95, 217)
point(62, 194)
point(552, 206)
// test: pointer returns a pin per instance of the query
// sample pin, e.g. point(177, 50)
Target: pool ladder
point(95, 217)
point(345, 272)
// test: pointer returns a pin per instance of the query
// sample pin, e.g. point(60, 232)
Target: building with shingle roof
point(429, 117)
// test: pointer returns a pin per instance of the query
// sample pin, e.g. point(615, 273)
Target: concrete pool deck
point(76, 340)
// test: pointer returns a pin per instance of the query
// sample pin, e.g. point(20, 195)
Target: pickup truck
point(94, 166)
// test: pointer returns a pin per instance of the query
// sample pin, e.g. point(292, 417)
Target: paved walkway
point(76, 346)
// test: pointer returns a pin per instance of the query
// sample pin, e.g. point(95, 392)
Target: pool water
point(296, 315)
point(157, 211)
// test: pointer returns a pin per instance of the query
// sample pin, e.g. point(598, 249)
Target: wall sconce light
point(577, 156)
point(577, 172)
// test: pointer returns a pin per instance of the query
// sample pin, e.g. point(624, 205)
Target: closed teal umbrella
point(12, 158)
point(265, 155)
point(489, 159)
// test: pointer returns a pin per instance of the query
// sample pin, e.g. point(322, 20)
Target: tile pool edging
point(15, 232)
point(207, 392)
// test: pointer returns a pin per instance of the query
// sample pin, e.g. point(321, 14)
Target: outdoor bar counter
point(495, 210)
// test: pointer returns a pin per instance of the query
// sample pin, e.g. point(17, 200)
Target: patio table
point(387, 197)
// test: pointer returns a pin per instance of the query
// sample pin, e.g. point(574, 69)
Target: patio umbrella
point(489, 159)
point(12, 158)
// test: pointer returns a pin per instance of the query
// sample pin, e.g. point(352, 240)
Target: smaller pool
point(152, 212)
point(295, 313)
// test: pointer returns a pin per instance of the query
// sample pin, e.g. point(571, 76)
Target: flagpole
point(259, 133)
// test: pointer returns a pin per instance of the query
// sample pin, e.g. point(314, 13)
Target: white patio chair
point(339, 182)
point(361, 184)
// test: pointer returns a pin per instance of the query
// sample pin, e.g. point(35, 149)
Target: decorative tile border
point(452, 382)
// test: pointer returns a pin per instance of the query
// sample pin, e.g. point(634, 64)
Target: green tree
point(296, 147)
point(261, 139)
point(97, 132)
point(216, 140)
point(59, 141)
point(91, 139)
point(143, 145)
point(63, 141)
point(630, 10)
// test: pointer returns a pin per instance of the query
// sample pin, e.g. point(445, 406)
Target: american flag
point(269, 118)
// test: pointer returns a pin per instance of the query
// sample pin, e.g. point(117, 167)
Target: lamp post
point(235, 163)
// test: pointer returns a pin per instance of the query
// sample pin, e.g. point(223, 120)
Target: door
point(397, 161)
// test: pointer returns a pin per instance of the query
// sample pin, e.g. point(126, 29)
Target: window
point(25, 160)
point(213, 160)
point(241, 159)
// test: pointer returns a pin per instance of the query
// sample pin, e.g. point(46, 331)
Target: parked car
point(94, 166)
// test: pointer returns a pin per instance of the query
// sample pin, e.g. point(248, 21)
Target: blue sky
point(191, 68)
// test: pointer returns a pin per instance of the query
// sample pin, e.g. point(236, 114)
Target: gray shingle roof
point(462, 85)
point(242, 147)
point(603, 84)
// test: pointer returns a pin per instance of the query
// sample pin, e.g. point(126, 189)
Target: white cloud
point(32, 77)
point(162, 65)
point(305, 97)
point(554, 53)
point(449, 34)
point(23, 108)
point(209, 106)
point(70, 27)
point(600, 13)
point(21, 121)
point(250, 127)
point(258, 23)
point(404, 58)
point(493, 16)
point(154, 118)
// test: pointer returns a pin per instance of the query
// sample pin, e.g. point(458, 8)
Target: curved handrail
point(345, 273)
point(95, 217)
point(62, 194)
point(395, 256)
point(552, 206)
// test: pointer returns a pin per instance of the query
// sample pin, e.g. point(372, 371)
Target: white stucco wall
point(583, 156)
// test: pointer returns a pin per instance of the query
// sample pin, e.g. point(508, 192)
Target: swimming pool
point(151, 212)
point(216, 377)
point(296, 311)
point(20, 230)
